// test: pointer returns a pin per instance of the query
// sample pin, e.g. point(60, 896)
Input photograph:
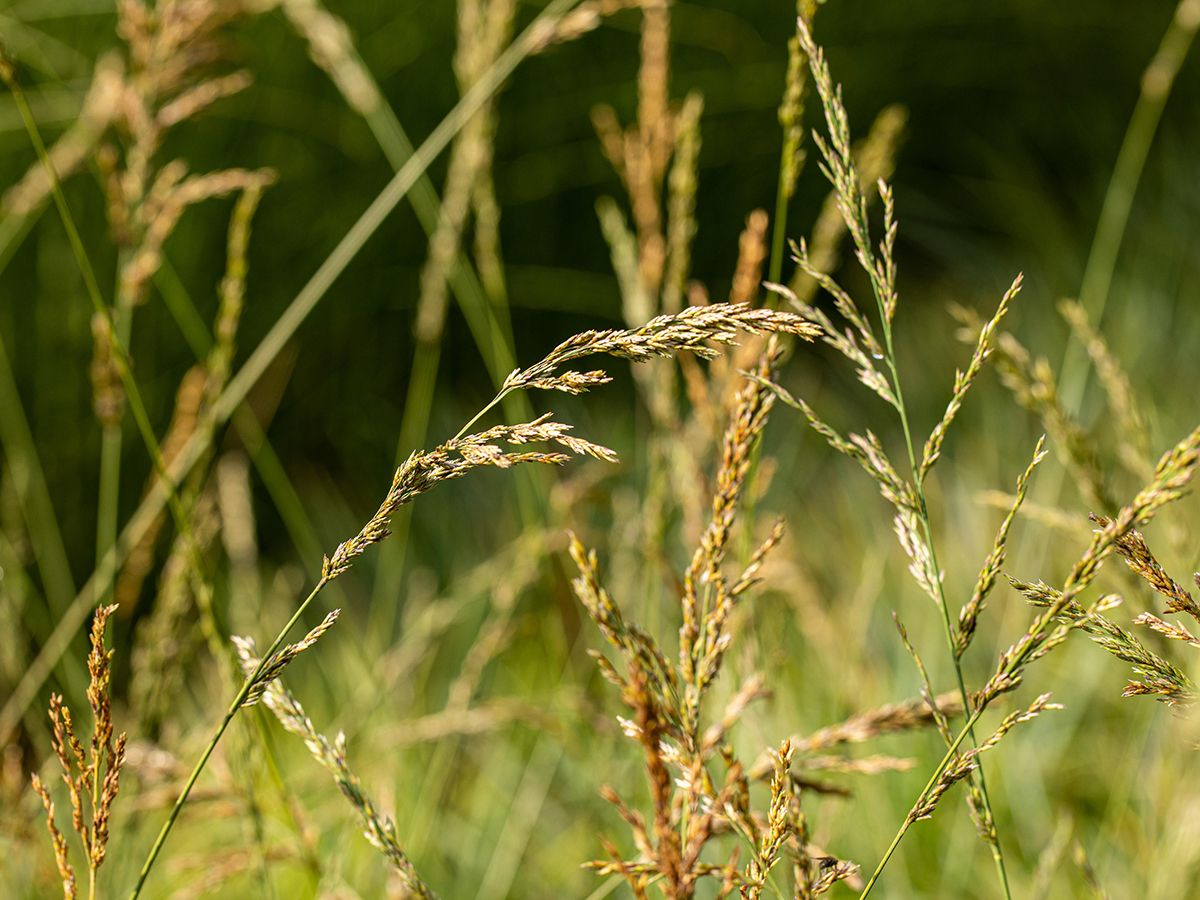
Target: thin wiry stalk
point(239, 699)
point(943, 604)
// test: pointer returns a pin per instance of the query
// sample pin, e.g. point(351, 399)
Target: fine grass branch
point(861, 345)
point(1172, 477)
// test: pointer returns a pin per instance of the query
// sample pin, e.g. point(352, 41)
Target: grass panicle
point(1157, 676)
point(778, 830)
point(686, 331)
point(91, 771)
point(964, 380)
point(968, 616)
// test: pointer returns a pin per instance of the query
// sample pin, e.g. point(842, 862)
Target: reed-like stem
point(1113, 221)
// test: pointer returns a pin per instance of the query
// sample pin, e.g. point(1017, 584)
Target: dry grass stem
point(964, 380)
point(91, 772)
point(968, 617)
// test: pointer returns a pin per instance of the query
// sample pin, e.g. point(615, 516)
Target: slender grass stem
point(779, 226)
point(492, 404)
point(234, 706)
point(933, 779)
point(1113, 222)
point(108, 504)
point(942, 605)
point(108, 493)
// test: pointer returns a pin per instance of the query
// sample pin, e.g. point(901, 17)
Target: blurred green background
point(1017, 111)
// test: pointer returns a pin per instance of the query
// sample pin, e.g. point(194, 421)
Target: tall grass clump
point(906, 493)
point(700, 792)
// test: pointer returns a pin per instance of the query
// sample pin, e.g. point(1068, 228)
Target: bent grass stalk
point(234, 706)
point(692, 330)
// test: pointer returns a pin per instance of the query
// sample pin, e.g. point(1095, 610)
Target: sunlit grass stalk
point(377, 826)
point(918, 481)
point(230, 712)
point(951, 752)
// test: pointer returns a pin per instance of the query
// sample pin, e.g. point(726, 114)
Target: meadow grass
point(784, 701)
